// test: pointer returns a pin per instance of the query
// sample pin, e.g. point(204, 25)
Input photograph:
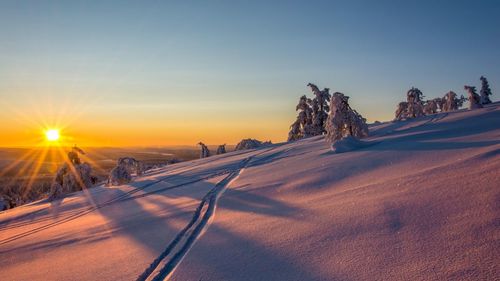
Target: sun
point(52, 135)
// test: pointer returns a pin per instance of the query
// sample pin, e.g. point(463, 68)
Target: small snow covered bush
point(250, 144)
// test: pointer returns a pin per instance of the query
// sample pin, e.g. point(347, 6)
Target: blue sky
point(169, 64)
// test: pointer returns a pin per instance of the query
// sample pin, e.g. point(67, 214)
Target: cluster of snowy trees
point(415, 106)
point(221, 149)
point(16, 193)
point(477, 100)
point(328, 114)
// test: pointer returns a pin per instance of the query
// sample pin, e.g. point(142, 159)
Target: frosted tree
point(450, 102)
point(439, 103)
point(343, 121)
point(430, 107)
point(305, 116)
point(72, 175)
point(124, 170)
point(461, 100)
point(303, 122)
point(205, 152)
point(295, 133)
point(485, 91)
point(474, 98)
point(312, 114)
point(73, 155)
point(415, 105)
point(401, 111)
point(320, 108)
point(317, 123)
point(221, 149)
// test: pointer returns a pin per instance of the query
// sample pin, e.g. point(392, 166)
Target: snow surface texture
point(420, 203)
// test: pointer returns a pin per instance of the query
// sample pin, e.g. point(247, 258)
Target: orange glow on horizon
point(90, 124)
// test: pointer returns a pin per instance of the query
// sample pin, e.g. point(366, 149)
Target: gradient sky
point(117, 73)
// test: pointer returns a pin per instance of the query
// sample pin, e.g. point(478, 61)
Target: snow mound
point(348, 143)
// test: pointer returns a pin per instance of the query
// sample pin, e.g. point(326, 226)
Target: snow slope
point(419, 200)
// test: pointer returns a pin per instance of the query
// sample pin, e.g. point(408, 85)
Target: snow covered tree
point(343, 121)
point(430, 107)
point(302, 127)
point(72, 176)
point(305, 115)
point(401, 111)
point(11, 197)
point(295, 132)
point(312, 114)
point(413, 107)
point(439, 103)
point(320, 108)
point(221, 149)
point(451, 102)
point(205, 152)
point(122, 173)
point(485, 91)
point(474, 98)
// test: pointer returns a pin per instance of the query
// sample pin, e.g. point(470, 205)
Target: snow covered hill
point(417, 200)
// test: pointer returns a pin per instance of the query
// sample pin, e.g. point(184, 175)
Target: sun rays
point(45, 130)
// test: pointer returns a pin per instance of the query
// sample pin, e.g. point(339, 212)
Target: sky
point(158, 73)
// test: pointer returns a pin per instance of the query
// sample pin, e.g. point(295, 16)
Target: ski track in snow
point(163, 266)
